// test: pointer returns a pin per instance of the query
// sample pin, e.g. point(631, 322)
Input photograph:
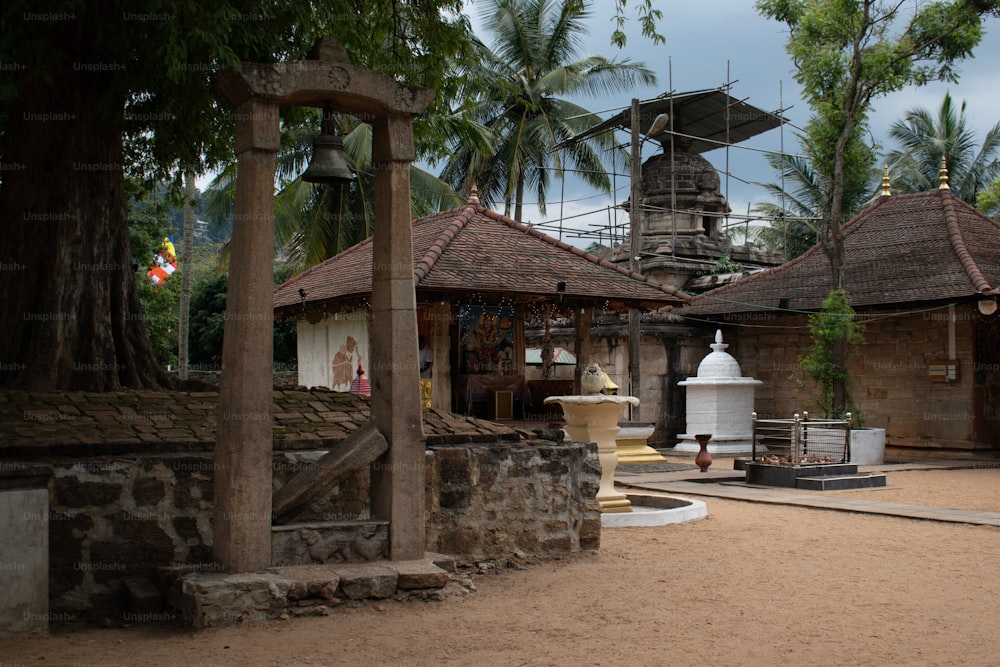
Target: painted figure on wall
point(487, 340)
point(344, 362)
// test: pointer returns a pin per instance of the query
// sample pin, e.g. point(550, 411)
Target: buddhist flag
point(166, 262)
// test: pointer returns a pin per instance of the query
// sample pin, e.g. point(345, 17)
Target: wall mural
point(487, 340)
point(331, 350)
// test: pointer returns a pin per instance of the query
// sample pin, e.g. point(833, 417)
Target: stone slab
point(310, 581)
point(24, 561)
point(841, 482)
point(767, 474)
point(368, 580)
point(417, 574)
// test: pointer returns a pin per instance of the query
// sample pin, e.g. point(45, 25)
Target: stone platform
point(816, 477)
point(212, 599)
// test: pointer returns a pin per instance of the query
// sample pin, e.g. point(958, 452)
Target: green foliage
point(164, 53)
point(596, 248)
point(924, 138)
point(849, 52)
point(207, 321)
point(726, 264)
point(802, 192)
point(160, 314)
point(648, 16)
point(208, 318)
point(148, 226)
point(834, 325)
point(989, 200)
point(518, 89)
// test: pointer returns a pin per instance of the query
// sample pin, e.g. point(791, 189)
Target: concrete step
point(840, 482)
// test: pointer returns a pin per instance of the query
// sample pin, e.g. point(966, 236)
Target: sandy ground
point(749, 585)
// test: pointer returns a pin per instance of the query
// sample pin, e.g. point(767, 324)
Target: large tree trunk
point(72, 316)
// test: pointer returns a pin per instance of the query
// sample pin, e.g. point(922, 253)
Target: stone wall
point(891, 383)
point(115, 518)
point(490, 502)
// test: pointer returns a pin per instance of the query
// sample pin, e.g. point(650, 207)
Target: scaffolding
point(712, 119)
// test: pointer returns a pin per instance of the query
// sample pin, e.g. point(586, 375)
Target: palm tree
point(925, 139)
point(796, 220)
point(517, 90)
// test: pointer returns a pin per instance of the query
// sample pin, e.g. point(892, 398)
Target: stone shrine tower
point(682, 203)
point(719, 402)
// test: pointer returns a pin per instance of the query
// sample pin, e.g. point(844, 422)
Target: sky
point(712, 41)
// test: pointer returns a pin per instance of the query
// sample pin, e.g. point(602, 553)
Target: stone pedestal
point(594, 418)
point(720, 402)
point(24, 548)
point(632, 447)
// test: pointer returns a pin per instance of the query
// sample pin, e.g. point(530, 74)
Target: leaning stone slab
point(367, 580)
point(417, 574)
point(356, 451)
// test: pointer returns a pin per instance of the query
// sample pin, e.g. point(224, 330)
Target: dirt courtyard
point(751, 584)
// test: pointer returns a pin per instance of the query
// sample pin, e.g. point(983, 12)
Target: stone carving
point(405, 95)
point(330, 543)
point(592, 379)
point(339, 77)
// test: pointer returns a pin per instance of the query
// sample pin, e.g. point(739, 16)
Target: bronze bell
point(328, 164)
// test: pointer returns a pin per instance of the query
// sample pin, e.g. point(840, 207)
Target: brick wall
point(890, 374)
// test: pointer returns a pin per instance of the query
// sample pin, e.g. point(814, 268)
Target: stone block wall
point(115, 518)
point(890, 375)
point(490, 502)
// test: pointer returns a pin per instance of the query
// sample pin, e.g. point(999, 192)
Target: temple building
point(480, 276)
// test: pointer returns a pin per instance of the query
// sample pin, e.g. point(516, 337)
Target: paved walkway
point(721, 481)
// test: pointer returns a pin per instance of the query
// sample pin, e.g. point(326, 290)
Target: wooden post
point(397, 486)
point(242, 506)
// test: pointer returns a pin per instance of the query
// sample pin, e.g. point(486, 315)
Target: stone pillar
point(397, 484)
point(441, 340)
point(242, 506)
point(24, 548)
point(582, 347)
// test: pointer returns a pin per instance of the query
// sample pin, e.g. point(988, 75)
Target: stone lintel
point(347, 88)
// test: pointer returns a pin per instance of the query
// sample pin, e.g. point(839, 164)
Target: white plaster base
point(686, 509)
point(868, 446)
point(724, 445)
point(24, 561)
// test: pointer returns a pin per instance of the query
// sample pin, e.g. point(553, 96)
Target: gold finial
point(473, 195)
point(944, 174)
point(885, 182)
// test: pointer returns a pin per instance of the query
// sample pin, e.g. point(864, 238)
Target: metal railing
point(801, 440)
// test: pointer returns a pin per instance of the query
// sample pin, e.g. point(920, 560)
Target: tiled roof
point(903, 249)
point(476, 251)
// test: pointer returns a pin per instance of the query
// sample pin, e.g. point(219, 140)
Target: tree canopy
point(518, 89)
point(924, 138)
point(846, 54)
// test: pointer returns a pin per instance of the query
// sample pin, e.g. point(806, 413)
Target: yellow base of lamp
point(632, 447)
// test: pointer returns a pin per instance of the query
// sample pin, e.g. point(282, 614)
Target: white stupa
point(720, 402)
